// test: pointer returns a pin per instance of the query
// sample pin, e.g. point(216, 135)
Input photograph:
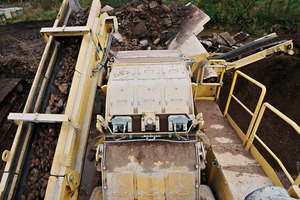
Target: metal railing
point(249, 137)
point(253, 136)
point(244, 136)
point(220, 67)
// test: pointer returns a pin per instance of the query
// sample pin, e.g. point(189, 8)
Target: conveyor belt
point(16, 174)
point(250, 48)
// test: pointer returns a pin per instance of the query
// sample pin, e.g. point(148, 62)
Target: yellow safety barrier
point(294, 188)
point(206, 91)
point(250, 135)
point(244, 136)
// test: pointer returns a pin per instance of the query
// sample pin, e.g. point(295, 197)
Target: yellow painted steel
point(266, 166)
point(145, 188)
point(210, 91)
point(31, 105)
point(64, 31)
point(245, 136)
point(253, 137)
point(283, 47)
point(121, 189)
point(177, 190)
point(216, 179)
point(71, 145)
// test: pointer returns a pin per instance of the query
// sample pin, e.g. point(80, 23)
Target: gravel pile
point(147, 24)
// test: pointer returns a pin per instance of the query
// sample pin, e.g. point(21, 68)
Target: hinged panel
point(181, 185)
point(120, 186)
point(151, 186)
point(121, 100)
point(149, 99)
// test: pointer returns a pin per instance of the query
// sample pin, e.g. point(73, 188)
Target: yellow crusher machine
point(163, 135)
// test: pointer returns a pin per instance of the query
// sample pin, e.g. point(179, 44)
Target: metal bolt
point(71, 177)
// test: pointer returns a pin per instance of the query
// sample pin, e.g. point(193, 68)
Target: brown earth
point(21, 48)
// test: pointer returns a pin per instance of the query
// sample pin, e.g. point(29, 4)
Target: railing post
point(230, 93)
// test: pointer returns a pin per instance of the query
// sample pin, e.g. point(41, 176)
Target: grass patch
point(34, 10)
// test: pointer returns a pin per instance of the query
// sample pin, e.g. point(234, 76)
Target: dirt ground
point(21, 48)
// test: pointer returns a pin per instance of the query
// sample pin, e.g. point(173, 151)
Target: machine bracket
point(44, 118)
point(65, 160)
point(73, 180)
point(64, 31)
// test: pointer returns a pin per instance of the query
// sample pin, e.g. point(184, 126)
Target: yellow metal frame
point(244, 136)
point(32, 104)
point(294, 189)
point(63, 31)
point(250, 135)
point(70, 151)
point(283, 47)
point(207, 88)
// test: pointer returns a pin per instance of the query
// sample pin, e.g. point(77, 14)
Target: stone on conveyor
point(224, 49)
point(240, 37)
point(218, 40)
point(227, 37)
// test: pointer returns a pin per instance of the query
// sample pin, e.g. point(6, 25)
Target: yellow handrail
point(254, 136)
point(220, 68)
point(259, 103)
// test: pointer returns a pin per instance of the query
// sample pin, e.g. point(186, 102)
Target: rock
point(153, 4)
point(141, 7)
point(55, 110)
point(144, 42)
point(167, 22)
point(46, 176)
point(60, 103)
point(141, 19)
point(140, 30)
point(106, 8)
point(53, 132)
point(63, 88)
point(156, 41)
point(165, 8)
point(240, 37)
point(51, 100)
point(229, 40)
point(206, 43)
point(219, 41)
point(224, 49)
point(135, 42)
point(118, 37)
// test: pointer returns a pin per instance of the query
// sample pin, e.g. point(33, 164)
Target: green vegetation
point(248, 15)
point(35, 10)
point(252, 14)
